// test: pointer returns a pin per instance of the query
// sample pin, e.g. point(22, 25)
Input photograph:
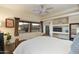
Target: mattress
point(44, 45)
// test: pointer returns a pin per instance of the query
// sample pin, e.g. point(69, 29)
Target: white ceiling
point(30, 7)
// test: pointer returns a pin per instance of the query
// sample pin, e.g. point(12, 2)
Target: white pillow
point(75, 45)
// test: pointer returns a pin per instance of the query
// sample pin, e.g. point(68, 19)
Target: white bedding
point(44, 45)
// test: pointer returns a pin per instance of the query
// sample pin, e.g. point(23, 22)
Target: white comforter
point(44, 45)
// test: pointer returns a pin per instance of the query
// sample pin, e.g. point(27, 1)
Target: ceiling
point(31, 7)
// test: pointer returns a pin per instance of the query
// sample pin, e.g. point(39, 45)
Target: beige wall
point(8, 13)
point(74, 19)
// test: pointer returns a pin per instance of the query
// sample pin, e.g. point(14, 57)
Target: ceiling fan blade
point(49, 8)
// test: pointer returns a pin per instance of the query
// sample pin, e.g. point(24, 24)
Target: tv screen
point(57, 29)
point(1, 43)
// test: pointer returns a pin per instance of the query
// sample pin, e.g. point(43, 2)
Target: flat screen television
point(57, 29)
point(1, 43)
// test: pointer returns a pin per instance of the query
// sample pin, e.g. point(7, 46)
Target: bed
point(44, 45)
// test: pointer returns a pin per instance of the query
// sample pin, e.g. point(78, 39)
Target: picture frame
point(9, 23)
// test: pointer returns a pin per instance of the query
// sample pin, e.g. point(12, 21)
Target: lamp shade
point(0, 24)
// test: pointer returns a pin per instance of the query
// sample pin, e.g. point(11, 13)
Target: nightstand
point(9, 48)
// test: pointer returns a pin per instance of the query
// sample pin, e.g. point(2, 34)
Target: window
point(36, 27)
point(23, 27)
point(27, 26)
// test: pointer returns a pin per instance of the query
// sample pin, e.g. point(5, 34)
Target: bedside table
point(9, 48)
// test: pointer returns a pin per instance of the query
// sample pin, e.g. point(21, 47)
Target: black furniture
point(1, 43)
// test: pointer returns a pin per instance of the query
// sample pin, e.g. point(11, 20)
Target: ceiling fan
point(42, 10)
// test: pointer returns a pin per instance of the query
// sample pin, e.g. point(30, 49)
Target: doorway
point(74, 30)
point(47, 30)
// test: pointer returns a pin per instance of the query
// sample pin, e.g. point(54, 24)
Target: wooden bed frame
point(17, 42)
